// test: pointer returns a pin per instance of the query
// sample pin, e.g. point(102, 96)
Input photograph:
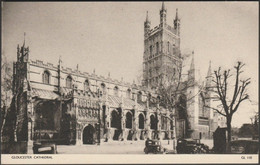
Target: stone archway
point(88, 135)
point(153, 122)
point(153, 126)
point(129, 120)
point(116, 124)
point(115, 119)
point(141, 121)
point(141, 125)
point(129, 125)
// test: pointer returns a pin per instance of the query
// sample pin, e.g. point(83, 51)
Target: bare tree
point(6, 87)
point(255, 125)
point(172, 88)
point(229, 104)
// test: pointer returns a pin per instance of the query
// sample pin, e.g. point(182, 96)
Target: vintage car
point(44, 147)
point(45, 143)
point(191, 146)
point(244, 147)
point(153, 146)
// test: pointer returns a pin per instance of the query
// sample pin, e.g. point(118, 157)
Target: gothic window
point(141, 121)
point(86, 85)
point(69, 82)
point(157, 47)
point(153, 122)
point(128, 93)
point(44, 116)
point(115, 120)
point(129, 120)
point(103, 88)
point(46, 77)
point(151, 50)
point(171, 124)
point(116, 91)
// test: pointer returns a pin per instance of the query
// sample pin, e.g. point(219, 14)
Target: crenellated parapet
point(42, 64)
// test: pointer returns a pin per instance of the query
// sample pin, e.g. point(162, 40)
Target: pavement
point(114, 147)
point(111, 147)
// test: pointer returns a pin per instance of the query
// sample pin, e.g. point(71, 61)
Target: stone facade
point(85, 108)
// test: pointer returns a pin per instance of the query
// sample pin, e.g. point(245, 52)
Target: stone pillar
point(159, 122)
point(136, 122)
point(123, 124)
point(79, 129)
point(168, 126)
point(107, 124)
point(148, 125)
point(30, 124)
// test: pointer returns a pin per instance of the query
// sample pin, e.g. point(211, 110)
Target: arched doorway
point(88, 135)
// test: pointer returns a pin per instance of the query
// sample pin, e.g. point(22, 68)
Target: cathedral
point(53, 102)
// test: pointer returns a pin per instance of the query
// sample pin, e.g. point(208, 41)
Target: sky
point(108, 36)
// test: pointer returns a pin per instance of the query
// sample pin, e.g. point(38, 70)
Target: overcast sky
point(108, 36)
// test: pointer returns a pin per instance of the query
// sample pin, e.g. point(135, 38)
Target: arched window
point(115, 120)
point(46, 77)
point(157, 47)
point(129, 120)
point(141, 121)
point(103, 88)
point(86, 85)
point(116, 91)
point(69, 82)
point(128, 93)
point(153, 122)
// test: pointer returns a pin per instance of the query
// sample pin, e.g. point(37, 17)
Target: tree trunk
point(228, 147)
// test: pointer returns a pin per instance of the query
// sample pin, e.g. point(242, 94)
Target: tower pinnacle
point(209, 70)
point(176, 17)
point(147, 17)
point(24, 39)
point(163, 12)
point(163, 6)
point(192, 66)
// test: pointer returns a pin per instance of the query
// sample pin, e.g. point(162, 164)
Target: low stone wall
point(14, 147)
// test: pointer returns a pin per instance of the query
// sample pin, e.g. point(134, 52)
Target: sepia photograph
point(122, 79)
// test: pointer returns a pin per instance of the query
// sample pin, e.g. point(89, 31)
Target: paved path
point(114, 147)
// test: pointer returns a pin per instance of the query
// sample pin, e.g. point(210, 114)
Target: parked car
point(191, 146)
point(44, 147)
point(154, 146)
point(244, 147)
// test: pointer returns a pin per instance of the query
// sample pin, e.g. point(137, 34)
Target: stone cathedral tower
point(161, 48)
